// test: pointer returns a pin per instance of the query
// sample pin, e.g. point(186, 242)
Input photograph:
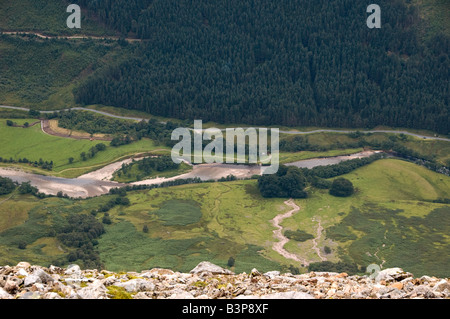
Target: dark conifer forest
point(265, 62)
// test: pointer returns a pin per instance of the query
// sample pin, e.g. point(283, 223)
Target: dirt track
point(278, 233)
point(45, 125)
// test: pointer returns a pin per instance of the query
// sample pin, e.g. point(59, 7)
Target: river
point(98, 182)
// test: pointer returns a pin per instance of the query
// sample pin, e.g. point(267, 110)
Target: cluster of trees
point(121, 140)
point(120, 200)
point(124, 132)
point(342, 187)
point(287, 182)
point(341, 168)
point(176, 182)
point(48, 165)
point(7, 186)
point(298, 235)
point(150, 164)
point(291, 181)
point(11, 123)
point(296, 144)
point(313, 63)
point(92, 151)
point(81, 232)
point(27, 188)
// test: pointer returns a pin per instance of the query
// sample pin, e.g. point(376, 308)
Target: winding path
point(281, 131)
point(68, 37)
point(278, 246)
point(319, 234)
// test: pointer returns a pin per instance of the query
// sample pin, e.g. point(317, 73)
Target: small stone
point(392, 274)
point(272, 274)
point(136, 285)
point(52, 295)
point(280, 295)
point(24, 265)
point(142, 295)
point(442, 285)
point(255, 272)
point(4, 294)
point(180, 294)
point(73, 270)
point(397, 285)
point(159, 271)
point(94, 291)
point(207, 267)
point(31, 295)
point(44, 277)
point(22, 272)
point(11, 286)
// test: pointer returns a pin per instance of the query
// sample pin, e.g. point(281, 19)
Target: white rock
point(73, 270)
point(272, 274)
point(181, 294)
point(22, 272)
point(45, 278)
point(441, 286)
point(31, 280)
point(31, 295)
point(392, 274)
point(136, 285)
point(94, 291)
point(51, 295)
point(208, 267)
point(4, 294)
point(23, 264)
point(280, 295)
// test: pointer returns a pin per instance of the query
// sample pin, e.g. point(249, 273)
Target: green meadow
point(33, 144)
point(391, 220)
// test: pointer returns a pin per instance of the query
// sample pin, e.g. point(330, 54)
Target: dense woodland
point(295, 63)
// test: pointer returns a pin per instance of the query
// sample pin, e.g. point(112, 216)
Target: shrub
point(6, 186)
point(342, 187)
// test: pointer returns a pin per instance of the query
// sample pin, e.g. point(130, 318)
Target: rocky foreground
point(208, 281)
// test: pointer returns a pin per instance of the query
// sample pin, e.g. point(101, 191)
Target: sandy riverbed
point(99, 182)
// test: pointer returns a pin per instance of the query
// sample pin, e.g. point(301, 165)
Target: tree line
point(123, 131)
point(47, 165)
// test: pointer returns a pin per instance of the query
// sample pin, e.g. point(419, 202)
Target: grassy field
point(187, 224)
point(390, 220)
point(33, 144)
point(222, 231)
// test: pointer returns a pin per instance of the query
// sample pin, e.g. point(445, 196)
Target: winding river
point(98, 182)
